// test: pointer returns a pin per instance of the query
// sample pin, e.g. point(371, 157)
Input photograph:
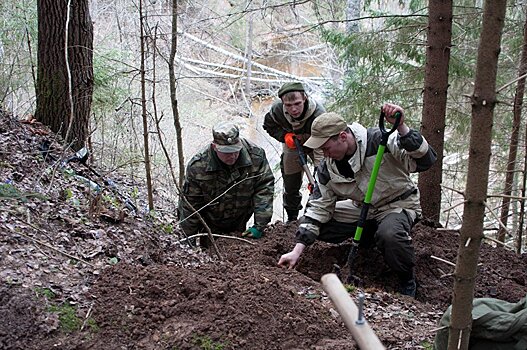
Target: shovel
point(303, 163)
point(369, 193)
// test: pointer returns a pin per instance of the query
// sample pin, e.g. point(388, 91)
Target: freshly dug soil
point(82, 275)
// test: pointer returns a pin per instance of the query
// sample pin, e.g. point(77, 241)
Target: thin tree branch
point(443, 260)
point(511, 82)
point(454, 206)
point(220, 195)
point(68, 70)
point(50, 246)
point(453, 189)
point(496, 217)
point(216, 235)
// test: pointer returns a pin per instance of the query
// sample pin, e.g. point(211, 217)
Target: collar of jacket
point(358, 157)
point(298, 123)
point(215, 164)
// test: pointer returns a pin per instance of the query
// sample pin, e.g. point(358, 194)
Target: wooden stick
point(443, 260)
point(454, 206)
point(437, 329)
point(498, 242)
point(53, 248)
point(362, 333)
point(453, 189)
point(496, 217)
point(216, 235)
point(87, 317)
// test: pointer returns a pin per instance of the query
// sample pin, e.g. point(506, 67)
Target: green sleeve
point(263, 196)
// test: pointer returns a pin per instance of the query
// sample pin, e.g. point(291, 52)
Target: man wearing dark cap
point(343, 177)
point(227, 182)
point(291, 117)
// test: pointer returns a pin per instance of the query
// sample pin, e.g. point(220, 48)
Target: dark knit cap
point(290, 87)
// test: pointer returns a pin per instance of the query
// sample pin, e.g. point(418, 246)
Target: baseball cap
point(290, 87)
point(323, 127)
point(227, 137)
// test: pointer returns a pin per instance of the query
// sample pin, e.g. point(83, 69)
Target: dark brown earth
point(132, 285)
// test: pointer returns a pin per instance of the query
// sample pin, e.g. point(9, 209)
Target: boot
point(204, 242)
point(292, 215)
point(408, 284)
point(409, 287)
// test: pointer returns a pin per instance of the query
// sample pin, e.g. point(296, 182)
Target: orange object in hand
point(290, 140)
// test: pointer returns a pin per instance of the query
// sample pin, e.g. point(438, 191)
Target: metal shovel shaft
point(371, 187)
point(303, 161)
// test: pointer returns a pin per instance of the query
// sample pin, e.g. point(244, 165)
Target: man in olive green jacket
point(291, 117)
point(227, 183)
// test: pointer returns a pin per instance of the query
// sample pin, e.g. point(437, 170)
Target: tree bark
point(53, 95)
point(521, 215)
point(148, 170)
point(249, 52)
point(173, 94)
point(483, 102)
point(513, 148)
point(434, 101)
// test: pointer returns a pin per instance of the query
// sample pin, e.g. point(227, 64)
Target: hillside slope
point(80, 272)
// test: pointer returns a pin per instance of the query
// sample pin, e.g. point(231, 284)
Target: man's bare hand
point(389, 110)
point(288, 260)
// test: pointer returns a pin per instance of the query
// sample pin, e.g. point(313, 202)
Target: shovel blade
point(353, 279)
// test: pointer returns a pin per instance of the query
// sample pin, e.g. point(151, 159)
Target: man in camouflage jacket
point(343, 177)
point(291, 117)
point(227, 183)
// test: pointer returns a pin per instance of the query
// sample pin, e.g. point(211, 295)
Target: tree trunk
point(434, 101)
point(483, 102)
point(521, 215)
point(513, 148)
point(249, 52)
point(173, 94)
point(54, 99)
point(148, 170)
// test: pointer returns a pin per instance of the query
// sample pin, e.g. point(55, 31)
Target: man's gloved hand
point(252, 232)
point(289, 139)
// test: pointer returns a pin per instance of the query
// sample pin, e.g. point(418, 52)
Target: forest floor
point(77, 272)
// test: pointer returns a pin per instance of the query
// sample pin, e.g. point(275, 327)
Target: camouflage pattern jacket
point(209, 186)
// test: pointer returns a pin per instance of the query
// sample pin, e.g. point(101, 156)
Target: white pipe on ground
point(362, 333)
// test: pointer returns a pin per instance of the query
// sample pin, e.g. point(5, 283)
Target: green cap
point(290, 87)
point(323, 127)
point(227, 137)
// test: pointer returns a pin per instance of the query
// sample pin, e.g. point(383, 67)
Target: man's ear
point(213, 146)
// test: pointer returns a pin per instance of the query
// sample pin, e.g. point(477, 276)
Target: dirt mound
point(75, 280)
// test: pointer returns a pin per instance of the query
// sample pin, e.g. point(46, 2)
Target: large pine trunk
point(483, 102)
point(54, 99)
point(434, 101)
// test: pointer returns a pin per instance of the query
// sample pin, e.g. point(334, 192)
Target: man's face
point(294, 103)
point(227, 158)
point(336, 147)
